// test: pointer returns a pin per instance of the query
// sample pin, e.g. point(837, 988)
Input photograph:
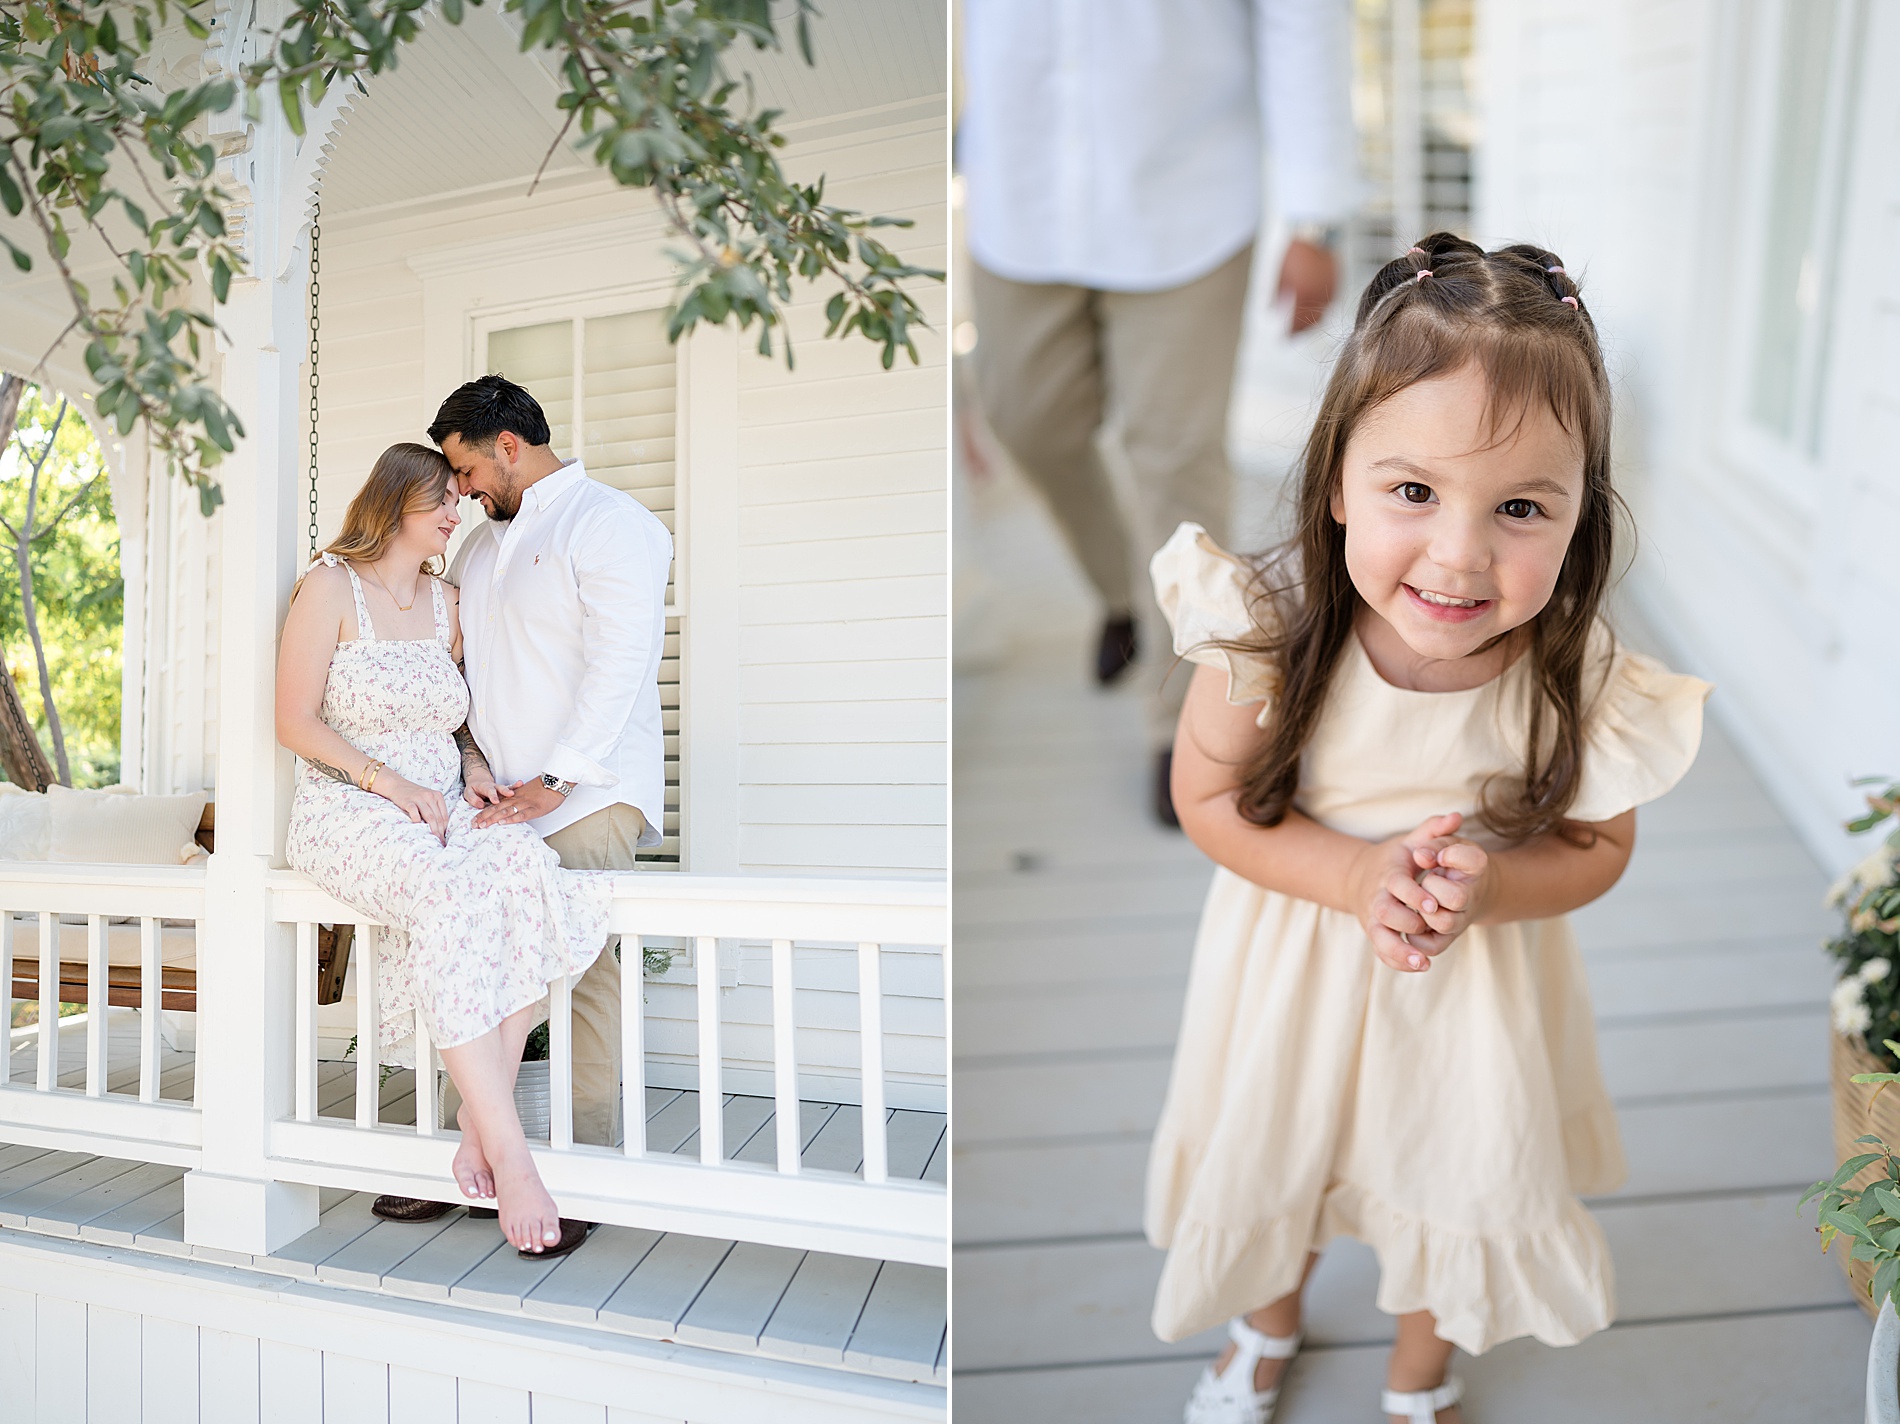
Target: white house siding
point(1619, 135)
point(93, 1336)
point(836, 650)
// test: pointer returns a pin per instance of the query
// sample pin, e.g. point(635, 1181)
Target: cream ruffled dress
point(1449, 1119)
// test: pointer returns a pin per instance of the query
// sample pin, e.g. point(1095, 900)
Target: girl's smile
point(1456, 528)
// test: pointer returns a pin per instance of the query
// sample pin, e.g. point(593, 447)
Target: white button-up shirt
point(1119, 144)
point(563, 622)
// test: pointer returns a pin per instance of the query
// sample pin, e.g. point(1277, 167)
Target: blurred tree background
point(78, 592)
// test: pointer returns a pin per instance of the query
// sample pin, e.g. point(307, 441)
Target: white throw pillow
point(25, 824)
point(114, 828)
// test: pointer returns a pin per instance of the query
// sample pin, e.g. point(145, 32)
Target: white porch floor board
point(864, 1317)
point(1075, 917)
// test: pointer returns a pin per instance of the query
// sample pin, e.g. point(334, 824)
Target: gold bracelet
point(367, 781)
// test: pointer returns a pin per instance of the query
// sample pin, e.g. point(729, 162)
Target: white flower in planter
point(1851, 1014)
point(1874, 970)
point(1871, 874)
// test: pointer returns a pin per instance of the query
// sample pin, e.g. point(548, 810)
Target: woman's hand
point(419, 803)
point(478, 784)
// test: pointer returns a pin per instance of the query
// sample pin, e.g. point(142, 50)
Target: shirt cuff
point(566, 764)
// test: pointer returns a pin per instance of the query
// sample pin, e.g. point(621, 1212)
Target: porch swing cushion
point(113, 828)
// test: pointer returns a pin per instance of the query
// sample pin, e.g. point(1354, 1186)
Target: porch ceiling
point(466, 111)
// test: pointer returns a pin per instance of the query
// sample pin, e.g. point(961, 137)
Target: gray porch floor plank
point(335, 1229)
point(820, 1308)
point(1075, 919)
point(17, 1206)
point(502, 1279)
point(736, 1303)
point(661, 1289)
point(122, 1225)
point(903, 1321)
point(438, 1263)
point(578, 1287)
point(839, 1145)
point(67, 1216)
point(386, 1245)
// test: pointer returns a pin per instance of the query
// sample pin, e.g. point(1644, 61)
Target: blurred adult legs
point(1039, 375)
point(1052, 358)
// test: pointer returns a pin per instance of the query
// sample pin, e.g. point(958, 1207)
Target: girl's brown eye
point(1518, 508)
point(1416, 493)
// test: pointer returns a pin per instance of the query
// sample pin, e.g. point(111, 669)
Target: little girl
point(1411, 746)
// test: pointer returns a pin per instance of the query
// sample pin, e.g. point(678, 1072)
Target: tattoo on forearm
point(471, 754)
point(327, 770)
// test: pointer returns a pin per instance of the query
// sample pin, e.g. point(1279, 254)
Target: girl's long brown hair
point(1518, 316)
point(404, 479)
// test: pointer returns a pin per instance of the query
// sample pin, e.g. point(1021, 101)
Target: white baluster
point(561, 1062)
point(633, 1053)
point(49, 1001)
point(785, 1056)
point(871, 1056)
point(151, 1005)
point(98, 1005)
point(712, 1144)
point(368, 1056)
point(427, 1118)
point(305, 1000)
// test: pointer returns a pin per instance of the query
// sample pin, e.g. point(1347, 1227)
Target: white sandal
point(1229, 1397)
point(1422, 1406)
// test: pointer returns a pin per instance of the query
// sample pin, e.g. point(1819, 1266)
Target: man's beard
point(502, 506)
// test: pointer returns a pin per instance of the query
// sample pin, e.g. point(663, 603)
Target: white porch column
point(245, 963)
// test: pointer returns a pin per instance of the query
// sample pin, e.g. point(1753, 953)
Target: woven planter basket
point(1858, 1112)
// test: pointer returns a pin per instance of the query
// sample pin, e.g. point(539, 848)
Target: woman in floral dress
point(370, 696)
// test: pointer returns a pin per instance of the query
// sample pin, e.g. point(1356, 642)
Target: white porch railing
point(63, 908)
point(865, 1213)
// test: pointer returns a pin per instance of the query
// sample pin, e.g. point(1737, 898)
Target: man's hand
point(521, 802)
point(1310, 275)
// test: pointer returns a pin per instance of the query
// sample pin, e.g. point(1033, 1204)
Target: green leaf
point(1852, 1168)
point(1885, 1279)
point(18, 254)
point(221, 279)
point(10, 194)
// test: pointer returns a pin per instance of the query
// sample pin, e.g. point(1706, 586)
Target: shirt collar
point(549, 488)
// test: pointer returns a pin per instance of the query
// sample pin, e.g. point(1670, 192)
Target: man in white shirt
point(563, 612)
point(1113, 154)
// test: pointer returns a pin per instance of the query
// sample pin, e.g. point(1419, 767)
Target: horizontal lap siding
point(843, 639)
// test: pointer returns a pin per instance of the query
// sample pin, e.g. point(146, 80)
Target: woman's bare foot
point(529, 1218)
point(472, 1172)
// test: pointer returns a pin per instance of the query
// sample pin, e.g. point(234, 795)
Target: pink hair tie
point(1420, 251)
point(1558, 271)
point(1571, 302)
point(1422, 274)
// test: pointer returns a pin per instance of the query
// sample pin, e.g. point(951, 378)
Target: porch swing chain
point(316, 266)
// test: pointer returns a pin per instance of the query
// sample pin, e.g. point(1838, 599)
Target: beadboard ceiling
point(466, 110)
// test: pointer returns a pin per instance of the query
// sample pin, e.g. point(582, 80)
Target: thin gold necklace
point(400, 607)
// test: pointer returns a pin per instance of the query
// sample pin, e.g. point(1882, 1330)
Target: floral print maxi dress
point(477, 928)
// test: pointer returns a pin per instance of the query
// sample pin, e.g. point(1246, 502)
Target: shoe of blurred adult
point(1116, 651)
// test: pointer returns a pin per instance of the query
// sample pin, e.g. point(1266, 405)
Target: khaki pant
point(603, 841)
point(1051, 361)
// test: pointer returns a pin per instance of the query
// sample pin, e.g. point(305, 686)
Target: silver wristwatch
point(555, 784)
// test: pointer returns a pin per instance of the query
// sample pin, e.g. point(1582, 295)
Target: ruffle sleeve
point(1642, 736)
point(1202, 591)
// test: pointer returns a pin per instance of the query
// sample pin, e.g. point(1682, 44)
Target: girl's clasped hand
point(1420, 891)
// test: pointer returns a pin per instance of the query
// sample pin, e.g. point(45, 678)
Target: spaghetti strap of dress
point(441, 611)
point(365, 630)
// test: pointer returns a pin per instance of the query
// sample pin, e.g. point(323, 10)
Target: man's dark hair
point(486, 406)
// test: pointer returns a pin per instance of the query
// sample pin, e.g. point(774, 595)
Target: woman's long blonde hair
point(405, 478)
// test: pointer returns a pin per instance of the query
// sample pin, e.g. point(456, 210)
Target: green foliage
point(78, 591)
point(91, 147)
point(1868, 1216)
point(1866, 1001)
point(539, 1043)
